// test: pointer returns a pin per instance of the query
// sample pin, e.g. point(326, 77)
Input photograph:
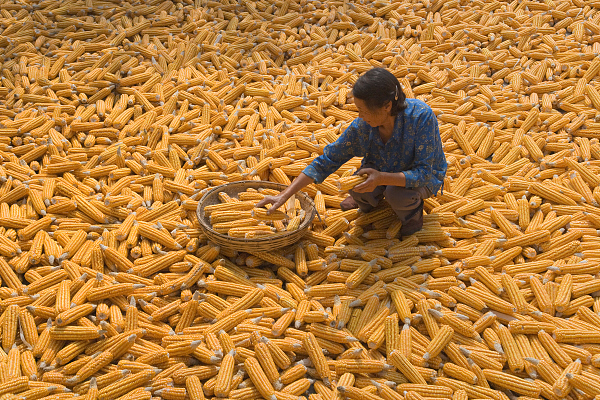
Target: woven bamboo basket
point(267, 243)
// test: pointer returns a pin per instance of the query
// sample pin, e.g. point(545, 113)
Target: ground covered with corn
point(116, 116)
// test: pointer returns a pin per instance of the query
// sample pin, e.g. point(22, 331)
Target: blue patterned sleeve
point(428, 150)
point(335, 154)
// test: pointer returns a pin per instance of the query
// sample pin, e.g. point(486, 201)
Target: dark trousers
point(406, 203)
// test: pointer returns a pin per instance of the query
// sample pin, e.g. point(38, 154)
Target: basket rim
point(303, 226)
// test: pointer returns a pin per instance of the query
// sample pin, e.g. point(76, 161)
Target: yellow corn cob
point(439, 341)
point(347, 183)
point(224, 227)
point(406, 368)
point(317, 357)
point(262, 214)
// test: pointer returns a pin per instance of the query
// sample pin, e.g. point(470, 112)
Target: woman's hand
point(373, 180)
point(276, 201)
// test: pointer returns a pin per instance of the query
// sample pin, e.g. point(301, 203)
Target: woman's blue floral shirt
point(415, 148)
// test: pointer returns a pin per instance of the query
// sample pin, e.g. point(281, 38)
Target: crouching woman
point(401, 147)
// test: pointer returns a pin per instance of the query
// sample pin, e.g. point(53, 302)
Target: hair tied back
point(378, 86)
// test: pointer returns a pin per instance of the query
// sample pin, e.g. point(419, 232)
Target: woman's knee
point(369, 197)
point(403, 198)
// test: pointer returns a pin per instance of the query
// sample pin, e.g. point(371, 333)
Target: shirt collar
point(374, 134)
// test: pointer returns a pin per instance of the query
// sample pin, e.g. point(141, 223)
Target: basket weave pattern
point(266, 243)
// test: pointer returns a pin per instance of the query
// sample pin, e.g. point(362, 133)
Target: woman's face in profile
point(374, 117)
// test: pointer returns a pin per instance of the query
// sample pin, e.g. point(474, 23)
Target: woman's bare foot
point(348, 204)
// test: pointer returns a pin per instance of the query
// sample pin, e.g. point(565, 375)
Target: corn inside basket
point(266, 243)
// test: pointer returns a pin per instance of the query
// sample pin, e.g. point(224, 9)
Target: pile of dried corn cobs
point(116, 116)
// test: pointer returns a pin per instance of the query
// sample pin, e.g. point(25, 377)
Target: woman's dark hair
point(376, 87)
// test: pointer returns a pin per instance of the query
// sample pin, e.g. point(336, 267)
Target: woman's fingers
point(367, 186)
point(274, 207)
point(365, 171)
point(261, 203)
point(266, 200)
point(362, 187)
point(373, 180)
point(276, 201)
